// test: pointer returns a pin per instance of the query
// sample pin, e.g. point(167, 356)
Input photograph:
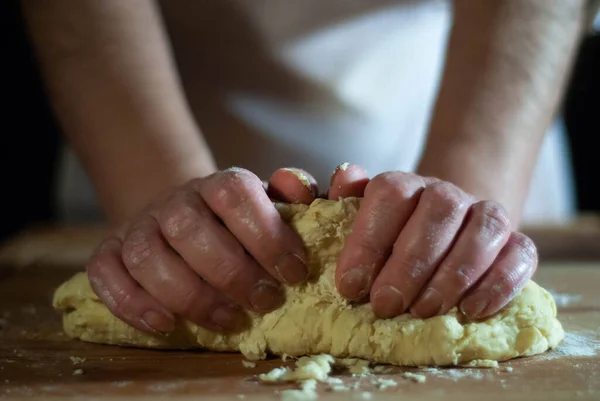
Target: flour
point(561, 300)
point(584, 343)
point(456, 374)
point(166, 387)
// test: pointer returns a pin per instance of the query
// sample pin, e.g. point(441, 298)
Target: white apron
point(311, 84)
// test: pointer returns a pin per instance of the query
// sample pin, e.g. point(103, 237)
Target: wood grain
point(35, 355)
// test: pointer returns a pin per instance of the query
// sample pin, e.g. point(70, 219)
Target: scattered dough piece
point(77, 372)
point(316, 320)
point(336, 384)
point(249, 364)
point(482, 363)
point(355, 366)
point(77, 360)
point(365, 395)
point(383, 384)
point(382, 369)
point(315, 367)
point(307, 392)
point(508, 369)
point(415, 377)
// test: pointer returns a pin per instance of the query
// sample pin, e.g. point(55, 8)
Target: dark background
point(30, 138)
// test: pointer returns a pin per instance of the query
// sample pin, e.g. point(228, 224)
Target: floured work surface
point(315, 319)
point(38, 360)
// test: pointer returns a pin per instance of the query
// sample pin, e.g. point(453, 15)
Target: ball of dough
point(315, 319)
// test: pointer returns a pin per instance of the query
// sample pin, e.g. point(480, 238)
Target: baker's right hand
point(207, 251)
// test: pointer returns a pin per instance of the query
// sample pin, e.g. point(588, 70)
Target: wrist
point(127, 180)
point(499, 173)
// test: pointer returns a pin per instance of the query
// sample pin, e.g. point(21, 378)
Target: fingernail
point(388, 302)
point(302, 177)
point(291, 268)
point(354, 284)
point(266, 296)
point(229, 318)
point(429, 305)
point(474, 305)
point(343, 167)
point(158, 322)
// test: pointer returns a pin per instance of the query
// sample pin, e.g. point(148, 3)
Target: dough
point(316, 320)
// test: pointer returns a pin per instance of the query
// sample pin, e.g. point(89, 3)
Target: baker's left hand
point(423, 246)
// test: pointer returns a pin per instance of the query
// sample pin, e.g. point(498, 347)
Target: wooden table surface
point(35, 357)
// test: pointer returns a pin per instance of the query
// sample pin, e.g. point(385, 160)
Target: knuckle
point(463, 277)
point(525, 246)
point(188, 303)
point(232, 187)
point(121, 301)
point(228, 273)
point(179, 214)
point(445, 198)
point(492, 218)
point(415, 264)
point(369, 246)
point(101, 264)
point(394, 185)
point(138, 249)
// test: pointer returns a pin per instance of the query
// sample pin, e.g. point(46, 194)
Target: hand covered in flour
point(207, 250)
point(423, 246)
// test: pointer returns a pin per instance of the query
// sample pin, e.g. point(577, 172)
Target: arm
point(507, 63)
point(114, 86)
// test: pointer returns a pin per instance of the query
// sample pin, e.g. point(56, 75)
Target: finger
point(193, 231)
point(236, 198)
point(390, 199)
point(348, 180)
point(122, 295)
point(514, 266)
point(169, 280)
point(420, 248)
point(292, 185)
point(486, 231)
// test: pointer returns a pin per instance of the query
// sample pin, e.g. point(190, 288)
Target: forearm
point(506, 67)
point(110, 76)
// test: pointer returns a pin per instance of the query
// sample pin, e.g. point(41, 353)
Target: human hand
point(423, 246)
point(207, 250)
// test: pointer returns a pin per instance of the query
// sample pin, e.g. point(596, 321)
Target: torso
point(311, 83)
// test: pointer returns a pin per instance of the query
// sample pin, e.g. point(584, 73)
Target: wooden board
point(35, 355)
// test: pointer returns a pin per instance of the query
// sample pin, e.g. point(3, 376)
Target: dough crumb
point(249, 364)
point(482, 363)
point(77, 372)
point(336, 384)
point(241, 396)
point(507, 369)
point(384, 384)
point(307, 392)
point(77, 360)
point(315, 367)
point(356, 366)
point(415, 377)
point(365, 395)
point(382, 369)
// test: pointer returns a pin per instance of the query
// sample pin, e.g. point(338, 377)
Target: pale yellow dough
point(316, 320)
